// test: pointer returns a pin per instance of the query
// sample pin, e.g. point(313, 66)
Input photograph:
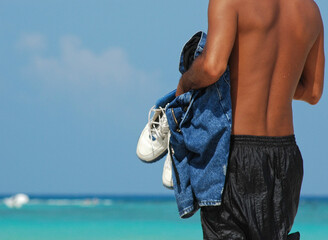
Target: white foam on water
point(87, 202)
point(16, 201)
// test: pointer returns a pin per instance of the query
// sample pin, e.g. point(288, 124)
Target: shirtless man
point(275, 52)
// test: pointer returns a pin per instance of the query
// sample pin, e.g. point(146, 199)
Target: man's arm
point(212, 63)
point(310, 86)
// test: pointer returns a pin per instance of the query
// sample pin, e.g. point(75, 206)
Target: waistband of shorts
point(263, 140)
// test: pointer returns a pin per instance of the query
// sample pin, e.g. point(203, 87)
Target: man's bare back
point(267, 61)
point(275, 52)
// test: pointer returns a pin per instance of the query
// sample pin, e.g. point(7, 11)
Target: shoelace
point(158, 126)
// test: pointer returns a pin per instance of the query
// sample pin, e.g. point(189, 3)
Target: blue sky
point(77, 79)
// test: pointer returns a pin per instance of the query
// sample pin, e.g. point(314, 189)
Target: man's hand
point(180, 87)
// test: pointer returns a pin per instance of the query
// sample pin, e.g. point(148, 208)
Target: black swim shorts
point(261, 193)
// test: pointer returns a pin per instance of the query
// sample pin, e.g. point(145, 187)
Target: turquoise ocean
point(127, 218)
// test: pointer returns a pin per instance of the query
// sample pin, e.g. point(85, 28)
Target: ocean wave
point(87, 202)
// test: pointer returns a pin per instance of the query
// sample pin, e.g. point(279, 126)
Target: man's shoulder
point(316, 11)
point(311, 3)
point(310, 12)
point(308, 8)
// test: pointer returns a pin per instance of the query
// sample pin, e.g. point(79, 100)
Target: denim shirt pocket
point(177, 114)
point(179, 110)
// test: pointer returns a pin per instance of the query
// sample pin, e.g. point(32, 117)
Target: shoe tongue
point(153, 134)
point(157, 114)
point(160, 123)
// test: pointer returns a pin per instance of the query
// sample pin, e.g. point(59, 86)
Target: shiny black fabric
point(261, 193)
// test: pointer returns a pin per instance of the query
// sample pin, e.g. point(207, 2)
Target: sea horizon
point(105, 199)
point(126, 196)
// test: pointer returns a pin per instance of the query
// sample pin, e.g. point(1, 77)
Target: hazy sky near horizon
point(77, 79)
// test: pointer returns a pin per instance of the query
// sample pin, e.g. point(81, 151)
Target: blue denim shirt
point(200, 125)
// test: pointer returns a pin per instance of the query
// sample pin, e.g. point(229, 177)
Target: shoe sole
point(168, 187)
point(155, 159)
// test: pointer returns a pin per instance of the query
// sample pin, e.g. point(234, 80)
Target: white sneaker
point(167, 172)
point(153, 141)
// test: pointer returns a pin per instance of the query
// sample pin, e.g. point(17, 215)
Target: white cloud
point(79, 66)
point(91, 81)
point(32, 42)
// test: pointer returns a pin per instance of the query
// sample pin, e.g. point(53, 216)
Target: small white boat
point(16, 201)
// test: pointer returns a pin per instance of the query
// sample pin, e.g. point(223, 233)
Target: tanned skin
point(275, 50)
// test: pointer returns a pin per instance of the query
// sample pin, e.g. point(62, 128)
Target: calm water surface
point(114, 218)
